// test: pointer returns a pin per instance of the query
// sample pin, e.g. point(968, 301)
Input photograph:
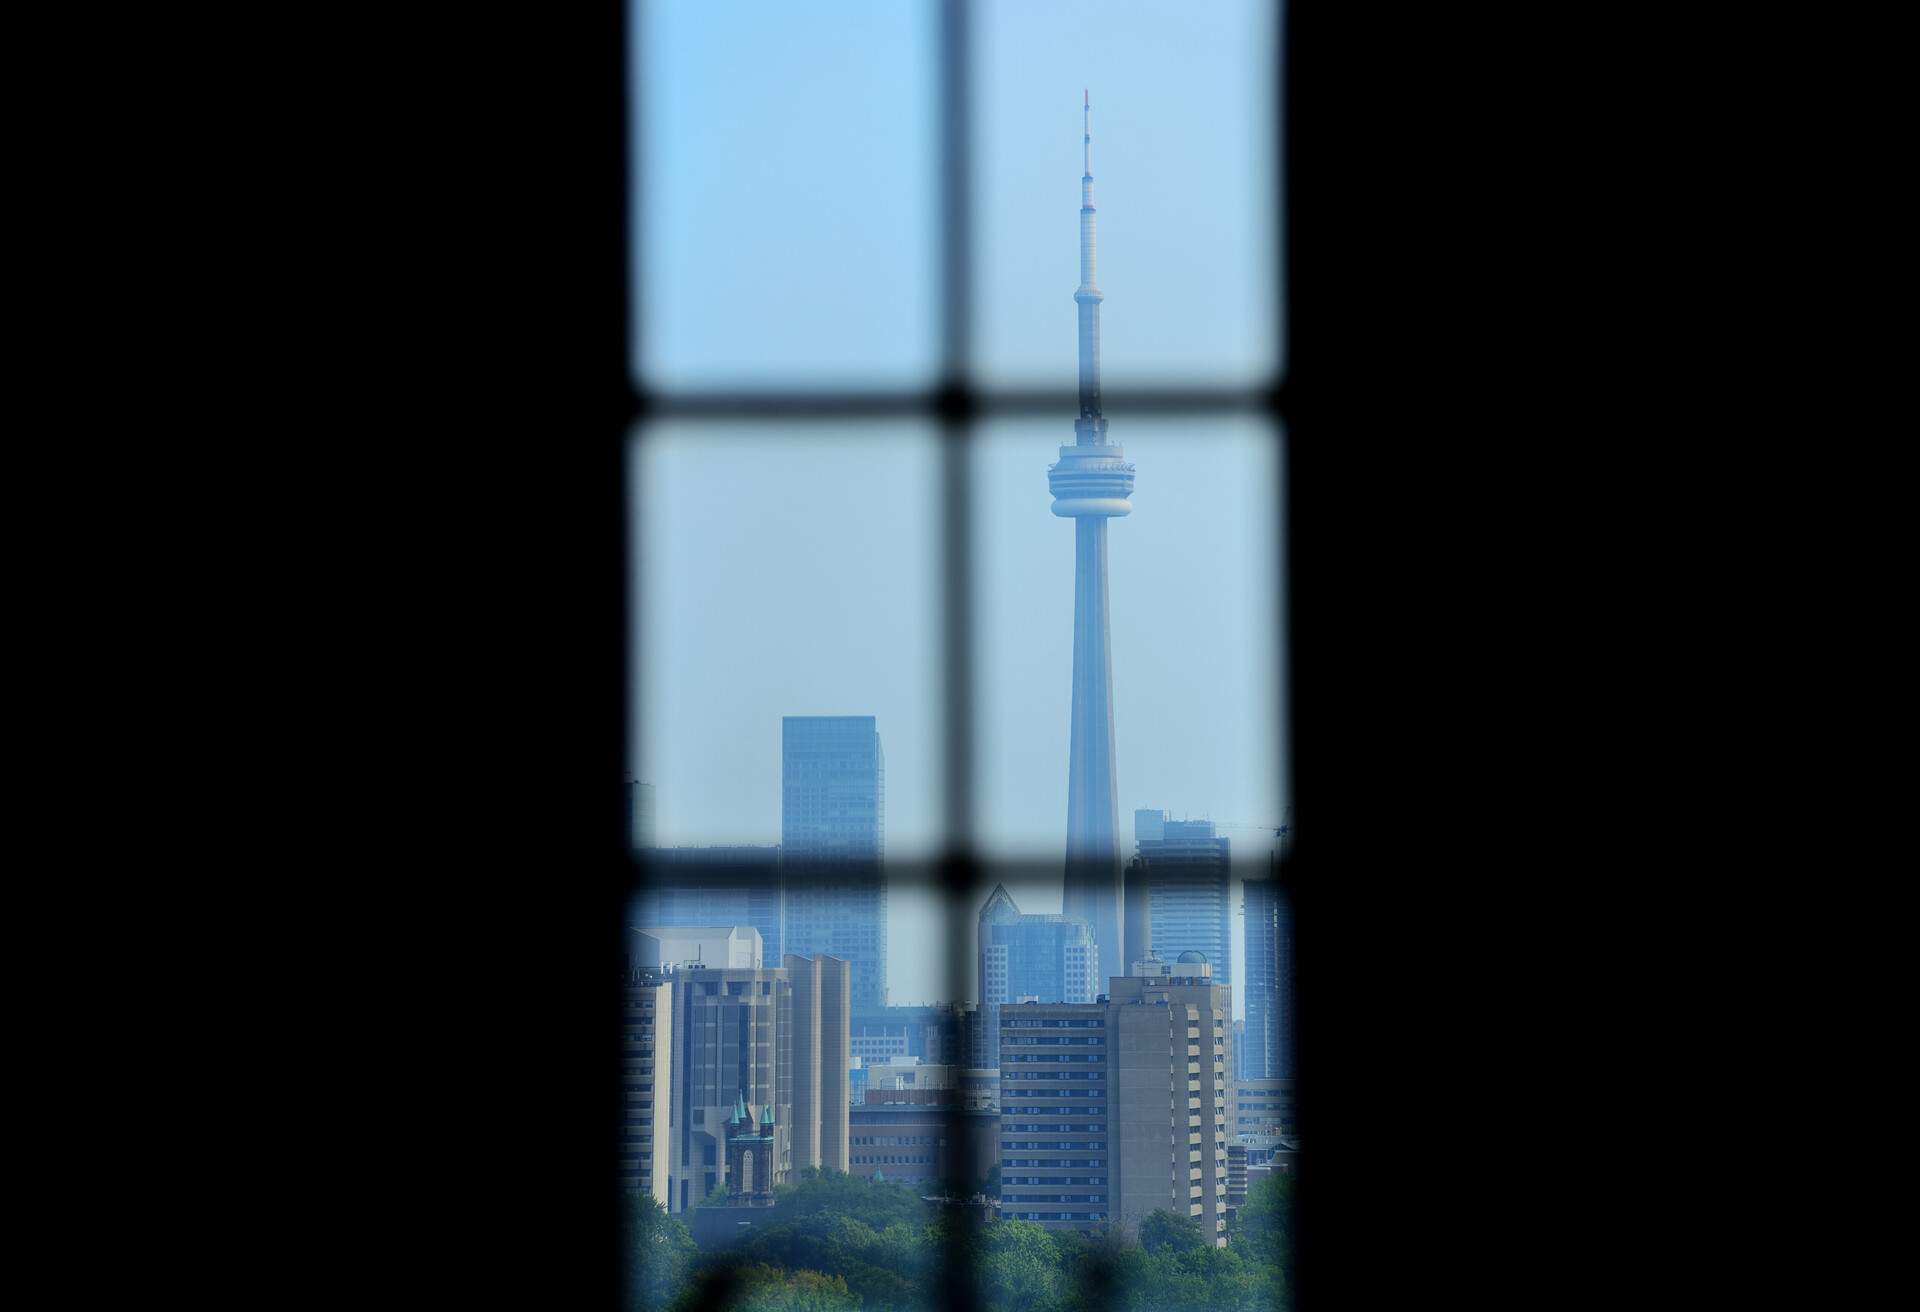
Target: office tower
point(715, 886)
point(1090, 484)
point(925, 1143)
point(1188, 886)
point(766, 1040)
point(1111, 1110)
point(833, 841)
point(1052, 958)
point(647, 1062)
point(1268, 980)
point(1240, 1050)
point(1137, 938)
point(639, 815)
point(1263, 1110)
point(821, 1077)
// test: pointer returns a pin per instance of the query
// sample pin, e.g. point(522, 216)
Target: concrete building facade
point(924, 1143)
point(647, 1082)
point(1111, 1110)
point(763, 1039)
point(718, 947)
point(1263, 1109)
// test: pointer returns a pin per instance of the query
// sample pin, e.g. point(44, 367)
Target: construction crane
point(1278, 831)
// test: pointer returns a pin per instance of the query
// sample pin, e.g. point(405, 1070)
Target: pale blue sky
point(790, 186)
point(789, 568)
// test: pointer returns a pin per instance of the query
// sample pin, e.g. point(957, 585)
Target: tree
point(1021, 1271)
point(1263, 1231)
point(758, 1287)
point(659, 1251)
point(1165, 1229)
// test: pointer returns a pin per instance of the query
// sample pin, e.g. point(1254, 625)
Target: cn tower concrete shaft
point(1091, 484)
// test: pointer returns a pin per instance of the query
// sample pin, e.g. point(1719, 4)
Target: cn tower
point(1091, 483)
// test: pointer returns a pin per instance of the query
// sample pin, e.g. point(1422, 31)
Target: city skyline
point(789, 569)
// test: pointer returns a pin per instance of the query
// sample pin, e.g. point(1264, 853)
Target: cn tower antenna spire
point(1092, 427)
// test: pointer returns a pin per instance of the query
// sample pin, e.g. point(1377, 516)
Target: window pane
point(1194, 602)
point(785, 193)
point(785, 624)
point(1183, 142)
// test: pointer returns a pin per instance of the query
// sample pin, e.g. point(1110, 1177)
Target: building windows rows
point(1061, 1128)
point(1058, 1145)
point(1057, 1216)
point(1055, 1180)
point(1023, 1199)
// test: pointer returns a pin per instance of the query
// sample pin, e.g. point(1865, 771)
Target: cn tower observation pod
point(1091, 480)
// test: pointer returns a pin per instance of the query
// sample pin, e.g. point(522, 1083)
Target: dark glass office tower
point(1269, 1025)
point(833, 842)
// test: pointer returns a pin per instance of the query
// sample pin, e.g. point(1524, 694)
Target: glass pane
point(1183, 186)
point(785, 178)
point(1193, 610)
point(786, 628)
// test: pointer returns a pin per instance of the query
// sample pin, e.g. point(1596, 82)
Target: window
point(839, 481)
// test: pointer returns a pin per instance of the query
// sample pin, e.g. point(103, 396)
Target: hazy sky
point(789, 568)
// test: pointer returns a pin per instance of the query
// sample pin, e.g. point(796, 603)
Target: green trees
point(837, 1243)
point(660, 1251)
point(1165, 1229)
point(1019, 1268)
point(1263, 1229)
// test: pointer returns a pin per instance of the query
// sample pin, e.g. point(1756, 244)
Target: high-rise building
point(639, 815)
point(1052, 958)
point(833, 845)
point(769, 1040)
point(647, 1061)
point(1111, 1110)
point(715, 886)
point(718, 947)
point(1137, 902)
point(1188, 877)
point(925, 1142)
point(1268, 981)
point(1263, 1109)
point(1091, 483)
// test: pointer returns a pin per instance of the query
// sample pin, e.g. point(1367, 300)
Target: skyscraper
point(833, 841)
point(1090, 484)
point(1052, 958)
point(1188, 889)
point(1269, 1022)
